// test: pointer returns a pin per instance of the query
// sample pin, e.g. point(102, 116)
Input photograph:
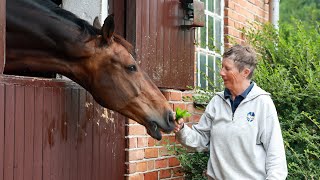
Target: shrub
point(289, 68)
point(193, 164)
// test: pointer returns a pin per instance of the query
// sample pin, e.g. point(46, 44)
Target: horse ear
point(96, 23)
point(108, 28)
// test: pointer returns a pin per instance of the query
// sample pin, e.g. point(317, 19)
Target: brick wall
point(148, 159)
point(239, 14)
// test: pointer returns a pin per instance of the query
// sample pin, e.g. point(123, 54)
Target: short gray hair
point(243, 56)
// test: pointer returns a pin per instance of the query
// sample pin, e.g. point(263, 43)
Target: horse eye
point(132, 68)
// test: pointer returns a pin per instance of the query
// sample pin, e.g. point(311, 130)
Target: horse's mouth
point(153, 129)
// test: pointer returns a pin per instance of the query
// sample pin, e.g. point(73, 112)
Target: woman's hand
point(178, 125)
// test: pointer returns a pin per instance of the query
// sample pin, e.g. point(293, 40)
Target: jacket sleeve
point(271, 138)
point(198, 137)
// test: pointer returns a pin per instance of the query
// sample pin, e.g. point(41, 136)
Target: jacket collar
point(255, 92)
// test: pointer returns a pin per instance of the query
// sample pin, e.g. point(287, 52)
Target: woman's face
point(231, 75)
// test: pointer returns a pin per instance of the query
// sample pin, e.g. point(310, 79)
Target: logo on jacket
point(250, 116)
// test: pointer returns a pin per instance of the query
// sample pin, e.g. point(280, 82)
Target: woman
point(240, 126)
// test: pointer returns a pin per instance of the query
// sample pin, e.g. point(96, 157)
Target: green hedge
point(289, 68)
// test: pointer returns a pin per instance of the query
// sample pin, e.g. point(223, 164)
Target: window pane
point(203, 71)
point(203, 34)
point(217, 9)
point(218, 35)
point(204, 1)
point(210, 71)
point(210, 33)
point(218, 79)
point(211, 5)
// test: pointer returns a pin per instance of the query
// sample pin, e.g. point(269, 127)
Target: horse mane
point(88, 29)
point(43, 25)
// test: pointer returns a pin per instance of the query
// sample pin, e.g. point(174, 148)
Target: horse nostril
point(170, 117)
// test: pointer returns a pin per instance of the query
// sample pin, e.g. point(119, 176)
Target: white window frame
point(206, 51)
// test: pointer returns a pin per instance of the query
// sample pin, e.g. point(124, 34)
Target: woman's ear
point(246, 72)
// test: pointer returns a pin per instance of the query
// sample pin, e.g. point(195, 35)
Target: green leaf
point(181, 113)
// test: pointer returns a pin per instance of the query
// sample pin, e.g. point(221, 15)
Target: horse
point(42, 37)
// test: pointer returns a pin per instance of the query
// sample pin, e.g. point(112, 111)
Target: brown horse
point(42, 37)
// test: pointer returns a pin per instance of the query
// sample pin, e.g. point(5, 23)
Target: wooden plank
point(2, 128)
point(19, 133)
point(56, 141)
point(138, 31)
point(131, 22)
point(88, 130)
point(145, 36)
point(9, 132)
point(154, 66)
point(74, 122)
point(108, 137)
point(167, 76)
point(38, 134)
point(2, 34)
point(63, 130)
point(190, 61)
point(96, 144)
point(175, 64)
point(160, 41)
point(47, 132)
point(69, 148)
point(119, 11)
point(89, 115)
point(120, 156)
point(83, 159)
point(29, 114)
point(102, 139)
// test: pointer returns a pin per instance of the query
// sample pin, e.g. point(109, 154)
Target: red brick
point(151, 153)
point(174, 162)
point(136, 155)
point(136, 130)
point(163, 163)
point(166, 95)
point(150, 165)
point(151, 176)
point(142, 142)
point(151, 142)
point(164, 141)
point(142, 166)
point(131, 168)
point(175, 96)
point(165, 173)
point(131, 143)
point(135, 177)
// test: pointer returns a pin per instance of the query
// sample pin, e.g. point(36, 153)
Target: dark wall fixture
point(194, 14)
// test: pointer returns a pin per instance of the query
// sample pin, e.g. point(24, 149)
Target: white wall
point(87, 9)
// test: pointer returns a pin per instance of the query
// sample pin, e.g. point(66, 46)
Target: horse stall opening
point(52, 129)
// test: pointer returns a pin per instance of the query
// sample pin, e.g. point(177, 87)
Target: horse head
point(100, 61)
point(117, 82)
